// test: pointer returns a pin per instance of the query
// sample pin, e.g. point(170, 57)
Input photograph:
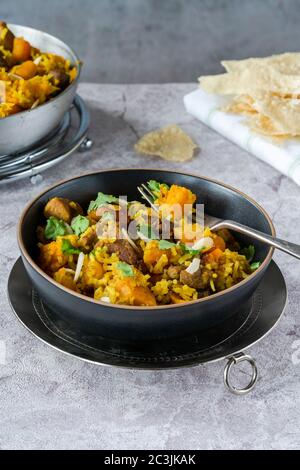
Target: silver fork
point(216, 224)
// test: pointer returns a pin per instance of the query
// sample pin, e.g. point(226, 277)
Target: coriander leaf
point(154, 187)
point(80, 224)
point(107, 216)
point(101, 200)
point(68, 249)
point(55, 228)
point(254, 266)
point(249, 252)
point(190, 251)
point(165, 244)
point(193, 252)
point(147, 232)
point(126, 269)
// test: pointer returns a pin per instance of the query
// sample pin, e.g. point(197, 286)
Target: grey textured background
point(49, 400)
point(152, 41)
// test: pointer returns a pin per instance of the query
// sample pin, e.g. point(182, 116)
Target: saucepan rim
point(210, 298)
point(77, 64)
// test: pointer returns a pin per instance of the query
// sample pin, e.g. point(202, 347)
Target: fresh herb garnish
point(55, 228)
point(108, 215)
point(68, 249)
point(249, 252)
point(146, 231)
point(80, 224)
point(254, 266)
point(165, 244)
point(126, 269)
point(155, 186)
point(101, 200)
point(190, 251)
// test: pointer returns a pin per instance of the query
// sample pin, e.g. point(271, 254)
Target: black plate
point(257, 318)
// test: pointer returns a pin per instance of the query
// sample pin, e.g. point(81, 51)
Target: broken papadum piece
point(169, 143)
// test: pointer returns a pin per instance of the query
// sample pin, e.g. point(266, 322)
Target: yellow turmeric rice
point(28, 76)
point(99, 253)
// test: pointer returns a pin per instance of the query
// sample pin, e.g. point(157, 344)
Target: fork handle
point(291, 248)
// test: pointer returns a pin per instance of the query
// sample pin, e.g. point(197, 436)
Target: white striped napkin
point(285, 157)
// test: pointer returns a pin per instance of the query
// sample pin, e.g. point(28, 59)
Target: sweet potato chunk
point(175, 299)
point(213, 256)
point(131, 294)
point(26, 70)
point(219, 243)
point(177, 195)
point(92, 271)
point(143, 297)
point(65, 278)
point(51, 257)
point(153, 253)
point(21, 50)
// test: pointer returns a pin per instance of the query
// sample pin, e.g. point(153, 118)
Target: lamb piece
point(61, 78)
point(62, 209)
point(93, 218)
point(40, 233)
point(87, 239)
point(125, 251)
point(3, 61)
point(6, 38)
point(231, 243)
point(174, 272)
point(59, 208)
point(76, 208)
point(141, 266)
point(204, 293)
point(192, 280)
point(155, 278)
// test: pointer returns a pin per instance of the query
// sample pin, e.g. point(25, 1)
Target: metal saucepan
point(23, 130)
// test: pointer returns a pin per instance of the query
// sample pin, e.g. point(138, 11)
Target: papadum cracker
point(253, 79)
point(284, 113)
point(242, 104)
point(288, 63)
point(266, 90)
point(169, 143)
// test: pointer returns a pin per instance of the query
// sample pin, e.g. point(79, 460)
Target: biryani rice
point(33, 80)
point(144, 272)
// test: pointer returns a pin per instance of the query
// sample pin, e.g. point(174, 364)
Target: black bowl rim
point(210, 298)
point(77, 64)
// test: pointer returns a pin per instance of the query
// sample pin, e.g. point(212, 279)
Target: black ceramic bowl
point(128, 322)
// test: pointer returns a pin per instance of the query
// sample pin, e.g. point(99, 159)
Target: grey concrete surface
point(48, 400)
point(153, 41)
